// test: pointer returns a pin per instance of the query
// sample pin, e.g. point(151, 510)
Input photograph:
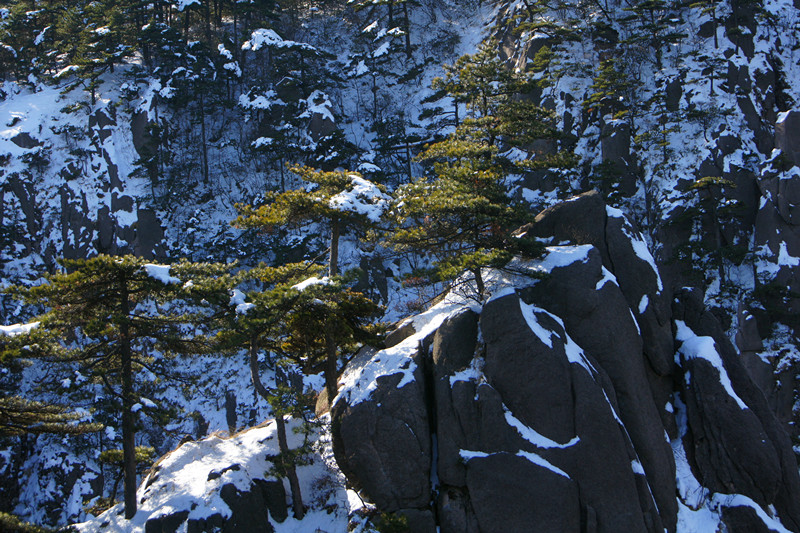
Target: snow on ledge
point(533, 436)
point(358, 383)
point(695, 347)
point(467, 455)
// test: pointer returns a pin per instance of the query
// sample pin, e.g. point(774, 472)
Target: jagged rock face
point(549, 407)
point(738, 445)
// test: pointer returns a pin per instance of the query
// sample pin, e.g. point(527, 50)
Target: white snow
point(382, 50)
point(467, 455)
point(643, 303)
point(573, 352)
point(181, 482)
point(362, 197)
point(607, 277)
point(319, 103)
point(474, 372)
point(40, 36)
point(18, 329)
point(358, 381)
point(700, 520)
point(266, 37)
point(161, 273)
point(544, 335)
point(310, 282)
point(261, 101)
point(533, 436)
point(695, 347)
point(540, 461)
point(561, 256)
point(784, 259)
point(150, 404)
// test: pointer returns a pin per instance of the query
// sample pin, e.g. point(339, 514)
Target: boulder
point(25, 140)
point(557, 393)
point(585, 219)
point(513, 493)
point(383, 443)
point(743, 519)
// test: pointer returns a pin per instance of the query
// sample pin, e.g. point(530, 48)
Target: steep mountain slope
point(681, 115)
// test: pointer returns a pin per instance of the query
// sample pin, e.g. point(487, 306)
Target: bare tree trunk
point(291, 472)
point(331, 366)
point(203, 138)
point(283, 444)
point(128, 427)
point(333, 259)
point(479, 282)
point(407, 29)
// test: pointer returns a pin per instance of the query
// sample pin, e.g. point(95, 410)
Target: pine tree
point(106, 313)
point(20, 416)
point(313, 323)
point(255, 327)
point(463, 214)
point(339, 199)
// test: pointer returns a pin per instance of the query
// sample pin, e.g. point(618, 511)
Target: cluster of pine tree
point(119, 321)
point(113, 326)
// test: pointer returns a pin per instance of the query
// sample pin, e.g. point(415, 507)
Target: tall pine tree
point(106, 312)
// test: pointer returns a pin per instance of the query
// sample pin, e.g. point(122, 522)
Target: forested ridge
point(209, 208)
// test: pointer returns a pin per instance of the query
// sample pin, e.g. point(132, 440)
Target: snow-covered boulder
point(228, 484)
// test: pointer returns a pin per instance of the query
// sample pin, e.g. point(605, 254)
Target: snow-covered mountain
point(683, 116)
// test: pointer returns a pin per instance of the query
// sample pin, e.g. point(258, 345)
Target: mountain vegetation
point(213, 211)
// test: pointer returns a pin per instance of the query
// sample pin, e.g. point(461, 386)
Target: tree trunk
point(128, 427)
point(203, 138)
point(283, 444)
point(291, 472)
point(331, 365)
point(479, 282)
point(407, 29)
point(333, 259)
